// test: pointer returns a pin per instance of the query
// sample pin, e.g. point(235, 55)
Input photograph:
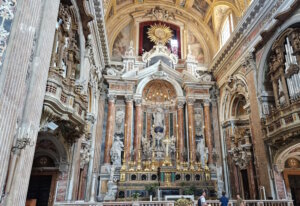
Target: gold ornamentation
point(159, 34)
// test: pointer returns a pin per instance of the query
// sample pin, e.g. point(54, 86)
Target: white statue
point(173, 144)
point(202, 151)
point(159, 117)
point(120, 114)
point(146, 146)
point(115, 151)
point(198, 124)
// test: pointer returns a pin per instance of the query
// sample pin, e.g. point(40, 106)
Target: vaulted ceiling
point(203, 18)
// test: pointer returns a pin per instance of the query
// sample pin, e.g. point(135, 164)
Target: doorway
point(41, 190)
point(294, 181)
point(246, 189)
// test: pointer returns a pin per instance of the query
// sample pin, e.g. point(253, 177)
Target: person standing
point(224, 200)
point(239, 200)
point(201, 200)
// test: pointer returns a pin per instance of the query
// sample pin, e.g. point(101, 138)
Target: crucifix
point(167, 161)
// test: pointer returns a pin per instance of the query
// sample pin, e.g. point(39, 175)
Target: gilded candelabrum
point(147, 165)
point(153, 161)
point(167, 161)
point(124, 166)
point(191, 162)
point(206, 167)
point(199, 166)
point(139, 165)
point(122, 177)
point(185, 166)
point(131, 165)
point(177, 160)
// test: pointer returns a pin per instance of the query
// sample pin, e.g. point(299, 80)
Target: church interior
point(144, 102)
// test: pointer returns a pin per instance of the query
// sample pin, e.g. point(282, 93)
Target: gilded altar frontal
point(150, 103)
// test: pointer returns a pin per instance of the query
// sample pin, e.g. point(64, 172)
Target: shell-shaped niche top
point(159, 91)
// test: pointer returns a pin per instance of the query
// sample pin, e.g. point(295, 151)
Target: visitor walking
point(201, 200)
point(224, 200)
point(239, 200)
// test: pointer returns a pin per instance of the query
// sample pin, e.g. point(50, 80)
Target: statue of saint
point(115, 151)
point(158, 117)
point(120, 115)
point(202, 151)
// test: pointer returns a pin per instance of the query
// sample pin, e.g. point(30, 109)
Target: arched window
point(226, 29)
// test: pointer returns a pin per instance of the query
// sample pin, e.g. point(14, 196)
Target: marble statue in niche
point(120, 115)
point(158, 118)
point(146, 147)
point(115, 151)
point(198, 125)
point(201, 151)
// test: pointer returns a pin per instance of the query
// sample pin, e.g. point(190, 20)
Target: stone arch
point(236, 86)
point(141, 85)
point(292, 150)
point(58, 153)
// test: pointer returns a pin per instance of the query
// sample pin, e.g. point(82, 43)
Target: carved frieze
point(158, 13)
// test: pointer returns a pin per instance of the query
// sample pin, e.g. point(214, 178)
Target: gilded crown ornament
point(159, 34)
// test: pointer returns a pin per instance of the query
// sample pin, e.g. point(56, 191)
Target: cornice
point(98, 7)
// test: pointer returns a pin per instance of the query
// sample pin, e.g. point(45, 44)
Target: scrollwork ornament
point(24, 137)
point(180, 104)
point(138, 102)
point(111, 98)
point(129, 98)
point(249, 62)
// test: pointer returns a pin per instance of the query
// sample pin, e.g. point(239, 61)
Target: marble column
point(128, 126)
point(35, 22)
point(109, 128)
point(208, 133)
point(216, 131)
point(191, 130)
point(138, 127)
point(180, 130)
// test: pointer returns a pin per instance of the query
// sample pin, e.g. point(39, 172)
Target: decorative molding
point(160, 14)
point(249, 63)
point(100, 17)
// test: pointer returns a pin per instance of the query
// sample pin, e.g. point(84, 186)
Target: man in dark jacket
point(224, 200)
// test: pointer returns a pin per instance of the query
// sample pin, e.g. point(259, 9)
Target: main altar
point(158, 132)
